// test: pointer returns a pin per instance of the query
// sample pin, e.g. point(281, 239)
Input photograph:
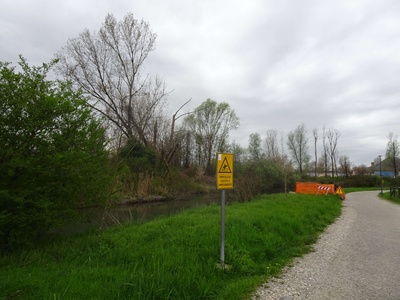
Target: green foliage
point(395, 198)
point(142, 173)
point(137, 165)
point(138, 158)
point(392, 152)
point(261, 176)
point(175, 257)
point(361, 189)
point(52, 154)
point(389, 182)
point(352, 181)
point(254, 148)
point(210, 124)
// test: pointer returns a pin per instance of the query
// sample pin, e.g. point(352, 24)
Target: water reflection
point(99, 219)
point(149, 211)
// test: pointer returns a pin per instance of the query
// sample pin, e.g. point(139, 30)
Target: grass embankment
point(174, 257)
point(394, 199)
point(360, 189)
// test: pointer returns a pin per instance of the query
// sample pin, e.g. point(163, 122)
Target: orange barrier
point(314, 188)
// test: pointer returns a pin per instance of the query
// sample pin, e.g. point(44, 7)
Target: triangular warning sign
point(339, 191)
point(225, 168)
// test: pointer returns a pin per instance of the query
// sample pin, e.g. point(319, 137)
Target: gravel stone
point(355, 258)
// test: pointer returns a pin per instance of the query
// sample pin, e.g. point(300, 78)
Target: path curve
point(358, 257)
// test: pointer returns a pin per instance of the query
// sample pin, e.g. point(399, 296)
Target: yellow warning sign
point(339, 191)
point(224, 171)
point(225, 168)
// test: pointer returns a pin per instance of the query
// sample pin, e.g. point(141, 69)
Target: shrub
point(52, 155)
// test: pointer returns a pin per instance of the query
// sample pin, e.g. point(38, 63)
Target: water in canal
point(147, 211)
point(123, 214)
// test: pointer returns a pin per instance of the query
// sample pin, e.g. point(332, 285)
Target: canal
point(101, 218)
point(147, 211)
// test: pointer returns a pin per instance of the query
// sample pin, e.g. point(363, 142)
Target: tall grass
point(174, 257)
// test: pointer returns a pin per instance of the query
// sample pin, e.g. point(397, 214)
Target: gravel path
point(357, 257)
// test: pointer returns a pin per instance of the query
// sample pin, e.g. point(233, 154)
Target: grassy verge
point(174, 257)
point(361, 189)
point(386, 196)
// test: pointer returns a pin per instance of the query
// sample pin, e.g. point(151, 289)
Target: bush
point(262, 176)
point(52, 155)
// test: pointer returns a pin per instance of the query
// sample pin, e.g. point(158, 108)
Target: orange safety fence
point(314, 188)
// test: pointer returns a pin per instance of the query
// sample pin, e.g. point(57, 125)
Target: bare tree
point(333, 136)
point(344, 165)
point(272, 144)
point(172, 143)
point(393, 151)
point(315, 134)
point(107, 66)
point(361, 170)
point(325, 153)
point(285, 164)
point(297, 145)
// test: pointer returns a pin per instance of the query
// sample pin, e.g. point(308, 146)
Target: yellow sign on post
point(224, 171)
point(224, 182)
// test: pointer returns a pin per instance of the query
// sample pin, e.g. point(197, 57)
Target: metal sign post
point(222, 251)
point(224, 181)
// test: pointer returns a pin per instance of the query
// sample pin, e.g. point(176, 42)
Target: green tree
point(52, 154)
point(255, 150)
point(393, 151)
point(238, 151)
point(210, 124)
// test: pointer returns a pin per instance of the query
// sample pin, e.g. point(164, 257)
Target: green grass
point(174, 257)
point(361, 189)
point(393, 199)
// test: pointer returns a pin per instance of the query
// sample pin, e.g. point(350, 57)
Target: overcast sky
point(278, 63)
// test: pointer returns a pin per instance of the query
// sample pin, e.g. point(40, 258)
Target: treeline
point(99, 134)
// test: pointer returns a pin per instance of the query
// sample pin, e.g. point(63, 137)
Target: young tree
point(284, 164)
point(315, 134)
point(272, 144)
point(52, 154)
point(344, 165)
point(361, 170)
point(238, 152)
point(333, 136)
point(254, 148)
point(325, 152)
point(393, 151)
point(297, 145)
point(107, 66)
point(210, 124)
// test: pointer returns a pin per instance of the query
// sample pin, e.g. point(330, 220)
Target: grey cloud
point(278, 63)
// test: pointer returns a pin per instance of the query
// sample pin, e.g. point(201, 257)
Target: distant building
point(387, 168)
